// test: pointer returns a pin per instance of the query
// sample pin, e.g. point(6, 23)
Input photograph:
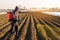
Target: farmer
point(13, 18)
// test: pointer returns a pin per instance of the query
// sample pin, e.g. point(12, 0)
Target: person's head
point(16, 8)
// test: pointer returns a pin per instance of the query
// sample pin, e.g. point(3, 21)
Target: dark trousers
point(13, 25)
point(16, 29)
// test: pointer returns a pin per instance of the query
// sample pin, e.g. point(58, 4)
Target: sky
point(10, 4)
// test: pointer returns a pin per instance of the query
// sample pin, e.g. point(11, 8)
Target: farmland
point(33, 26)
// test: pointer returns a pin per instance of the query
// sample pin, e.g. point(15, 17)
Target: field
point(33, 26)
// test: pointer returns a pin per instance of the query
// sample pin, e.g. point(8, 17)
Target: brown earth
point(33, 26)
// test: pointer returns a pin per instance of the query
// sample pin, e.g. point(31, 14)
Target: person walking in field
point(13, 18)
